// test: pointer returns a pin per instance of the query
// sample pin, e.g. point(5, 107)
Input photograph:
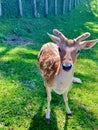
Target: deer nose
point(66, 66)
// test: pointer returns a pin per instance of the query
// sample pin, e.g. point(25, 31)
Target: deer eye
point(78, 51)
point(59, 49)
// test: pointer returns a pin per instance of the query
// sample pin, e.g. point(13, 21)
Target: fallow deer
point(56, 63)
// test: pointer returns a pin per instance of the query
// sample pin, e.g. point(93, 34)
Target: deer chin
point(67, 70)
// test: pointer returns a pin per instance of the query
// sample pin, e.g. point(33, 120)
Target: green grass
point(22, 95)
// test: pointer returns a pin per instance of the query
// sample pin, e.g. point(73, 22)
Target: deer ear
point(87, 44)
point(54, 38)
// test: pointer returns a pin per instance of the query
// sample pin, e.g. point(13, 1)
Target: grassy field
point(22, 95)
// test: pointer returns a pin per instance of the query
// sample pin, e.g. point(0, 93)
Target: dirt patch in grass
point(13, 39)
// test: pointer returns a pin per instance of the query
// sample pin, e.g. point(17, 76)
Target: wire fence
point(36, 8)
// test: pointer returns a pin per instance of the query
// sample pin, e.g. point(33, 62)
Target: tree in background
point(20, 8)
point(0, 8)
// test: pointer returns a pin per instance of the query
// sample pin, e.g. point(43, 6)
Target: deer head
point(69, 49)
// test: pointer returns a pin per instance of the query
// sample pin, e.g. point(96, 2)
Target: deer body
point(62, 80)
point(56, 63)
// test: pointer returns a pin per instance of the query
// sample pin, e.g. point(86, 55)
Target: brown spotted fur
point(49, 61)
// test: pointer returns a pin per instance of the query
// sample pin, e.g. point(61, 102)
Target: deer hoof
point(47, 119)
point(69, 114)
point(77, 80)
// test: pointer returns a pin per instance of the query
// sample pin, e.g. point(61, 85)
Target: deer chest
point(62, 82)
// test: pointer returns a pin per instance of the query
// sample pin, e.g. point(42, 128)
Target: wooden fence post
point(46, 8)
point(75, 3)
point(78, 1)
point(20, 7)
point(55, 7)
point(0, 9)
point(69, 5)
point(35, 9)
point(64, 1)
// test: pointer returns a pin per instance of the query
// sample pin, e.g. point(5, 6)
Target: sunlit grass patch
point(92, 26)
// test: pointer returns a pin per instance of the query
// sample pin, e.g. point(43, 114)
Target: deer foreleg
point(66, 103)
point(48, 90)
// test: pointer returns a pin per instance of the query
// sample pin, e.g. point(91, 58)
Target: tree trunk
point(75, 3)
point(20, 8)
point(35, 9)
point(64, 1)
point(0, 9)
point(46, 7)
point(78, 1)
point(69, 5)
point(55, 6)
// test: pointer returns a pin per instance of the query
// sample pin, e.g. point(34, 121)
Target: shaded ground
point(16, 40)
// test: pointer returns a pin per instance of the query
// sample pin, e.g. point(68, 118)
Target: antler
point(59, 34)
point(54, 38)
point(82, 37)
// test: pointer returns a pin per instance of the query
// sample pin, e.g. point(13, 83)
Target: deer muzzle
point(66, 66)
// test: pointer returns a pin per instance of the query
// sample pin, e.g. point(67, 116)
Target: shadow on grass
point(39, 122)
point(66, 122)
point(82, 118)
point(85, 118)
point(87, 78)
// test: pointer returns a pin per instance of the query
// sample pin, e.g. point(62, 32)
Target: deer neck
point(65, 75)
point(63, 81)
